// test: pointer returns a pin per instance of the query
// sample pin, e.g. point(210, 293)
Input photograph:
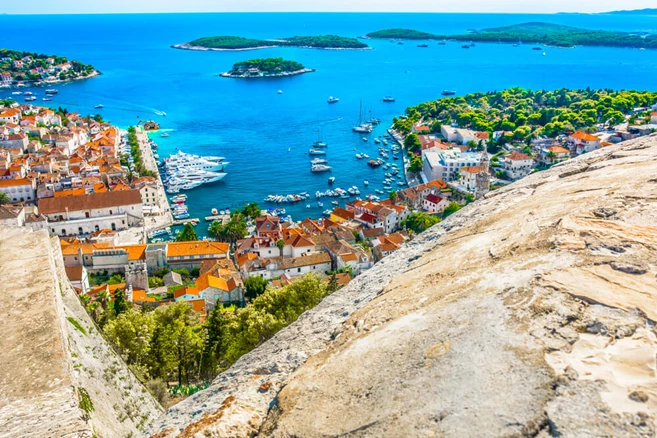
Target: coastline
point(187, 46)
point(227, 74)
point(56, 81)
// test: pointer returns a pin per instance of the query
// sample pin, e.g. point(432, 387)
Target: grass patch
point(77, 325)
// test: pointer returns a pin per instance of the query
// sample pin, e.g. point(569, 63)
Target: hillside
point(528, 313)
point(534, 33)
point(241, 43)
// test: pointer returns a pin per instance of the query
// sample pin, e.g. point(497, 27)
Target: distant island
point(533, 33)
point(647, 11)
point(239, 43)
point(17, 66)
point(266, 68)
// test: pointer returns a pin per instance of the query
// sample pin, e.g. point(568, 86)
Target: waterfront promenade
point(161, 216)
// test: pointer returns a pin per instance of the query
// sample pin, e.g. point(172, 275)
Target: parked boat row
point(184, 171)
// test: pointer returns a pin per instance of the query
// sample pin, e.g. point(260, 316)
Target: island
point(334, 42)
point(646, 11)
point(18, 67)
point(266, 68)
point(534, 33)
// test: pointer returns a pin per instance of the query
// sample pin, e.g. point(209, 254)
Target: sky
point(504, 6)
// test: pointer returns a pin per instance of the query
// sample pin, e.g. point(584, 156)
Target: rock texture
point(51, 352)
point(528, 313)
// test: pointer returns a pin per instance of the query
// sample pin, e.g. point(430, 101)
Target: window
point(86, 214)
point(110, 212)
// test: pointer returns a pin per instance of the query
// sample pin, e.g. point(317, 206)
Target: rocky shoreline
point(228, 74)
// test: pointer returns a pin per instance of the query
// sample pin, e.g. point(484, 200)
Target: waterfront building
point(516, 165)
point(78, 215)
point(446, 164)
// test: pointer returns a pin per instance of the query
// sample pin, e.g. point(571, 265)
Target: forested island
point(533, 33)
point(523, 114)
point(18, 66)
point(266, 68)
point(240, 43)
point(646, 11)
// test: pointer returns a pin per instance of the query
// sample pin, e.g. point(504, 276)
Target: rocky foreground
point(529, 313)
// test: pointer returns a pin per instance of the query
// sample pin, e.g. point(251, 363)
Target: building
point(79, 278)
point(12, 216)
point(653, 118)
point(584, 142)
point(554, 154)
point(434, 203)
point(79, 215)
point(517, 165)
point(269, 226)
point(220, 283)
point(19, 190)
point(446, 164)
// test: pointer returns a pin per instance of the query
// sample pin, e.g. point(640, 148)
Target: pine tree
point(121, 305)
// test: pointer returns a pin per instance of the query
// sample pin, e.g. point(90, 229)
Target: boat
point(331, 180)
point(376, 140)
point(164, 134)
point(327, 212)
point(448, 92)
point(184, 161)
point(537, 48)
point(364, 138)
point(52, 91)
point(359, 156)
point(467, 46)
point(442, 43)
point(316, 152)
point(362, 127)
point(17, 92)
point(423, 45)
point(280, 92)
point(30, 98)
point(373, 163)
point(319, 161)
point(401, 43)
point(332, 99)
point(320, 168)
point(47, 99)
point(544, 53)
point(27, 93)
point(99, 106)
point(388, 99)
point(366, 183)
point(319, 144)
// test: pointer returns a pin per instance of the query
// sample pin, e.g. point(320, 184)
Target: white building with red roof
point(517, 165)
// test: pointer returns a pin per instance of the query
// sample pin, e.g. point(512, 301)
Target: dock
point(185, 221)
point(218, 217)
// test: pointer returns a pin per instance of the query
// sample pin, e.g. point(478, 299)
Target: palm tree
point(551, 155)
point(393, 197)
point(280, 243)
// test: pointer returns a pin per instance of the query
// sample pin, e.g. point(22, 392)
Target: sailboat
point(362, 127)
point(319, 143)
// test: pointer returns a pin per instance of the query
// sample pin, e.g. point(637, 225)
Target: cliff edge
point(528, 313)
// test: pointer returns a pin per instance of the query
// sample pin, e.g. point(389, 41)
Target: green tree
point(251, 210)
point(130, 333)
point(4, 199)
point(419, 222)
point(188, 234)
point(121, 305)
point(280, 244)
point(393, 197)
point(416, 165)
point(412, 143)
point(452, 208)
point(255, 286)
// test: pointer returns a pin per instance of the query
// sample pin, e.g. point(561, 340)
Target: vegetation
point(235, 42)
point(4, 199)
point(86, 404)
point(40, 61)
point(525, 114)
point(452, 208)
point(419, 222)
point(267, 66)
point(188, 234)
point(233, 231)
point(136, 153)
point(170, 342)
point(535, 33)
point(77, 325)
point(255, 286)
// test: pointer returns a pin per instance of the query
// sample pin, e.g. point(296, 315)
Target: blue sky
point(119, 6)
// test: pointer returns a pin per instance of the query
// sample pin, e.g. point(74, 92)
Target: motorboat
point(30, 98)
point(52, 91)
point(318, 161)
point(366, 183)
point(365, 139)
point(164, 134)
point(388, 99)
point(99, 106)
point(331, 180)
point(448, 92)
point(279, 92)
point(320, 168)
point(423, 45)
point(332, 99)
point(316, 152)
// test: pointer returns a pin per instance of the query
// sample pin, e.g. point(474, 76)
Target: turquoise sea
point(253, 127)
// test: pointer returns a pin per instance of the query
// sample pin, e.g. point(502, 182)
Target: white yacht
point(184, 161)
point(320, 168)
point(319, 161)
point(316, 152)
point(199, 176)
